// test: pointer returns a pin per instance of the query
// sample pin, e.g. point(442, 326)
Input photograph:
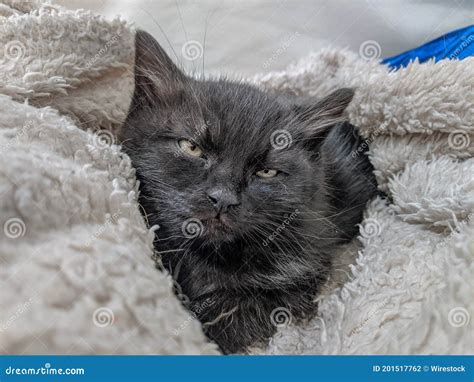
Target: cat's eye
point(190, 148)
point(266, 173)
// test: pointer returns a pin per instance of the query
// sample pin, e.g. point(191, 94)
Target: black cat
point(252, 192)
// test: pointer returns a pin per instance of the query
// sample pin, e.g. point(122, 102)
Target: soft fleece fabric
point(76, 268)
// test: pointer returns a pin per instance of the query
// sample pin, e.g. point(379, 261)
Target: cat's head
point(219, 160)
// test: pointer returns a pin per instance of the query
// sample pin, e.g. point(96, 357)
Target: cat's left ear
point(317, 118)
point(157, 79)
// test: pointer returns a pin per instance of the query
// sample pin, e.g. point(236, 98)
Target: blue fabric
point(458, 44)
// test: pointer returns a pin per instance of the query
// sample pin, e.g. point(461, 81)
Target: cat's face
point(221, 161)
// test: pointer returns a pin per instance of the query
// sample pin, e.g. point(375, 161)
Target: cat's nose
point(222, 199)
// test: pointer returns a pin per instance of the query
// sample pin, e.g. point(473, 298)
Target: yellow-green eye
point(190, 148)
point(266, 173)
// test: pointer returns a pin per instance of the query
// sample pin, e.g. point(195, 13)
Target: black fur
point(270, 245)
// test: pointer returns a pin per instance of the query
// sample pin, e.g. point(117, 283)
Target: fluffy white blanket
point(76, 267)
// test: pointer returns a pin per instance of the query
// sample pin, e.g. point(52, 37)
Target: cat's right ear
point(157, 79)
point(320, 116)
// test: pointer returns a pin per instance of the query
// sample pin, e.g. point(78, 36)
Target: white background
point(249, 36)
